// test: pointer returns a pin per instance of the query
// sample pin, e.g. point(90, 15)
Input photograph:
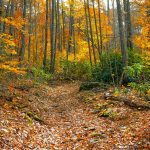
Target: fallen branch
point(128, 102)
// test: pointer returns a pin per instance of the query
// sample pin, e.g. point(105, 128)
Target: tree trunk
point(97, 37)
point(1, 23)
point(122, 37)
point(53, 46)
point(23, 45)
point(70, 38)
point(128, 24)
point(46, 36)
point(63, 26)
point(58, 27)
point(30, 31)
point(87, 31)
point(91, 31)
point(100, 25)
point(36, 29)
point(12, 11)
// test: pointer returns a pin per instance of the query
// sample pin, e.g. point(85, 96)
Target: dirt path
point(70, 123)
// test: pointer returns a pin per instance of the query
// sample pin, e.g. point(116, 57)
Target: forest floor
point(56, 116)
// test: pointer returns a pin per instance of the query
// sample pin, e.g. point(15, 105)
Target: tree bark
point(87, 31)
point(91, 31)
point(100, 25)
point(53, 46)
point(122, 37)
point(97, 37)
point(46, 36)
point(128, 24)
point(23, 45)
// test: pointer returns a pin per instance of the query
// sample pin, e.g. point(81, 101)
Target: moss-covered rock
point(91, 85)
point(107, 113)
point(34, 116)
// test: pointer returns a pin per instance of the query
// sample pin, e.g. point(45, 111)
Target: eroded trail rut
point(69, 124)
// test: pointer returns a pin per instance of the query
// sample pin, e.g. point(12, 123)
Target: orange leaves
point(7, 39)
point(12, 66)
point(142, 21)
point(17, 22)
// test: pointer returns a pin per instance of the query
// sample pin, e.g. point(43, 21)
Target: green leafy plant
point(140, 88)
point(76, 70)
point(133, 71)
point(109, 69)
point(40, 74)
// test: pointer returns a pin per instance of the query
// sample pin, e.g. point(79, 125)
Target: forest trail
point(69, 123)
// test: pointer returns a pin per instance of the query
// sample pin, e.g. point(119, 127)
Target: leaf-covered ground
point(57, 116)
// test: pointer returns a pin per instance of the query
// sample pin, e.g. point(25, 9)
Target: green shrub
point(142, 88)
point(76, 70)
point(134, 57)
point(41, 74)
point(134, 71)
point(109, 69)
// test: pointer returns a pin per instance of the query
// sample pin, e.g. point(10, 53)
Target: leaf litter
point(68, 123)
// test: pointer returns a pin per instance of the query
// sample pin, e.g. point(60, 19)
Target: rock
point(34, 116)
point(107, 113)
point(91, 85)
point(98, 135)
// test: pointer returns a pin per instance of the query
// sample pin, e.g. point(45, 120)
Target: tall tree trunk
point(122, 37)
point(128, 24)
point(6, 15)
point(108, 9)
point(1, 23)
point(97, 37)
point(73, 33)
point(58, 26)
point(100, 25)
point(70, 38)
point(12, 11)
point(63, 26)
point(87, 31)
point(36, 9)
point(114, 25)
point(91, 31)
point(46, 36)
point(30, 31)
point(23, 45)
point(53, 46)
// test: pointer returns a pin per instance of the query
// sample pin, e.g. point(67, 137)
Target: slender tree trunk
point(1, 23)
point(108, 9)
point(30, 31)
point(100, 25)
point(91, 31)
point(97, 36)
point(58, 26)
point(43, 39)
point(46, 36)
point(11, 30)
point(128, 24)
point(36, 29)
point(73, 33)
point(114, 24)
point(121, 33)
point(23, 45)
point(87, 31)
point(7, 14)
point(53, 46)
point(63, 26)
point(70, 38)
